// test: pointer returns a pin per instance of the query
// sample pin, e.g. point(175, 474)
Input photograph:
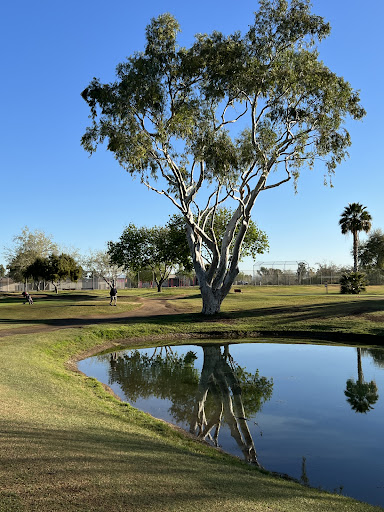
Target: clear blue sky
point(50, 52)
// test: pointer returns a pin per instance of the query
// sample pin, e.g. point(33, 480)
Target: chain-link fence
point(265, 277)
point(278, 277)
point(95, 283)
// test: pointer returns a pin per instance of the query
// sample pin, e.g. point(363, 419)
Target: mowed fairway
point(68, 445)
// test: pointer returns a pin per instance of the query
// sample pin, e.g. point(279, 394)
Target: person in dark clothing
point(113, 294)
point(27, 298)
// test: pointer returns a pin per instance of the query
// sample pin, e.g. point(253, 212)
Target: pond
point(314, 412)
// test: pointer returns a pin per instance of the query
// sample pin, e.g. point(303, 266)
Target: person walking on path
point(27, 298)
point(113, 294)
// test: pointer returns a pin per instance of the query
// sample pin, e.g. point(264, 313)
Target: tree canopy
point(371, 252)
point(223, 121)
point(28, 245)
point(54, 268)
point(160, 249)
point(37, 270)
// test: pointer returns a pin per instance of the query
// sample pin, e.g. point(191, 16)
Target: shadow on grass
point(280, 315)
point(6, 298)
point(104, 470)
point(311, 311)
point(116, 319)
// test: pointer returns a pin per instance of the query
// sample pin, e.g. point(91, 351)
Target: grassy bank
point(68, 445)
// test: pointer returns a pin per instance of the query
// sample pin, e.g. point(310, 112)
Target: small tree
point(28, 246)
point(160, 249)
point(60, 267)
point(354, 219)
point(2, 270)
point(100, 264)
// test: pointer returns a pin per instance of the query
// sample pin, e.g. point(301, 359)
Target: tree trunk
point(211, 357)
point(215, 280)
point(159, 280)
point(211, 300)
point(355, 247)
point(360, 376)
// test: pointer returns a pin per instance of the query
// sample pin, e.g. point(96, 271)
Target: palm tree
point(354, 219)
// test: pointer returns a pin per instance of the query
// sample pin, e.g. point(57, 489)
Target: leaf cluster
point(255, 241)
point(155, 247)
point(54, 268)
point(371, 252)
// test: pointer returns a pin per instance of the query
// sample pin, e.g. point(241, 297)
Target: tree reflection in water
point(224, 392)
point(361, 395)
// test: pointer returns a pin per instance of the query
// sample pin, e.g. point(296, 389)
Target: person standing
point(113, 294)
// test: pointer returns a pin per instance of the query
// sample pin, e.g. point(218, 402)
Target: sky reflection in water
point(302, 424)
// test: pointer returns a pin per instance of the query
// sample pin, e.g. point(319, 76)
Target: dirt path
point(149, 308)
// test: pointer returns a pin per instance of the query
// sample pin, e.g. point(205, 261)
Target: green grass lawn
point(287, 310)
point(66, 444)
point(65, 306)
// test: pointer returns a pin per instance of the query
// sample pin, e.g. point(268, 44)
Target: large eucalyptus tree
point(223, 121)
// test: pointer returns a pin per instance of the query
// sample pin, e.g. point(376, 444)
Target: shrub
point(352, 282)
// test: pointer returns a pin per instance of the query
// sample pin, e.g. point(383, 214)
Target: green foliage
point(159, 249)
point(28, 246)
point(63, 266)
point(54, 268)
point(179, 90)
point(371, 252)
point(352, 283)
point(255, 390)
point(355, 218)
point(166, 376)
point(2, 270)
point(255, 240)
point(38, 270)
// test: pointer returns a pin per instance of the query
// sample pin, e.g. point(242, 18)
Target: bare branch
point(223, 121)
point(274, 185)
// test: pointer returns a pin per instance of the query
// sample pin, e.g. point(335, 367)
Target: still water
point(314, 412)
